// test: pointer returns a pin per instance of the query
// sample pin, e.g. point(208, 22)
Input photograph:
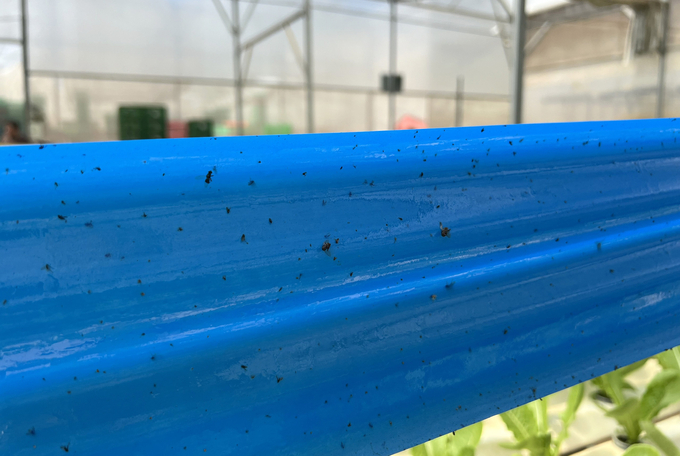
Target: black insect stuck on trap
point(446, 232)
point(326, 247)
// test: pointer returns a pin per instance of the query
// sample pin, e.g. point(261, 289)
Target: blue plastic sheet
point(325, 294)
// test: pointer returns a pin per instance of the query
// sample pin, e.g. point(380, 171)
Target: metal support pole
point(460, 82)
point(661, 81)
point(518, 69)
point(309, 68)
point(27, 91)
point(393, 63)
point(238, 75)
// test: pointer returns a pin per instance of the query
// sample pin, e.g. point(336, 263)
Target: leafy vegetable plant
point(529, 425)
point(461, 443)
point(634, 413)
point(641, 449)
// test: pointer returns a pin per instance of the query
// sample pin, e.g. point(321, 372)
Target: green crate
point(142, 122)
point(200, 128)
point(278, 129)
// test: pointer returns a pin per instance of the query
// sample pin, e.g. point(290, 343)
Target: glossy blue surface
point(147, 311)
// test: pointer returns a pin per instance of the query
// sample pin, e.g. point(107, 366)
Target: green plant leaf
point(466, 451)
point(641, 449)
point(573, 403)
point(439, 446)
point(627, 415)
point(468, 437)
point(672, 393)
point(612, 385)
point(653, 399)
point(541, 413)
point(628, 408)
point(670, 359)
point(419, 450)
point(659, 439)
point(538, 445)
point(627, 386)
point(521, 421)
point(629, 369)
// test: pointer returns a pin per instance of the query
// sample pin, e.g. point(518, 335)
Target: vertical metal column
point(517, 86)
point(392, 109)
point(460, 82)
point(238, 75)
point(309, 68)
point(27, 91)
point(661, 77)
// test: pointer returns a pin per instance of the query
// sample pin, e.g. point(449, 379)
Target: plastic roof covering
point(186, 38)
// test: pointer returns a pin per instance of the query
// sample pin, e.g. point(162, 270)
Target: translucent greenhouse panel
point(87, 110)
point(275, 107)
point(341, 111)
point(11, 74)
point(601, 91)
point(572, 43)
point(442, 113)
point(188, 39)
point(672, 107)
point(380, 112)
point(350, 50)
point(432, 59)
point(152, 37)
point(201, 101)
point(10, 21)
point(482, 112)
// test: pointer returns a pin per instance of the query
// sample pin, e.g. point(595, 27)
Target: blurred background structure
point(224, 67)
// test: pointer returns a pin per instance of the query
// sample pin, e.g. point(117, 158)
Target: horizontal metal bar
point(10, 41)
point(354, 293)
point(158, 79)
point(273, 29)
point(457, 11)
point(369, 14)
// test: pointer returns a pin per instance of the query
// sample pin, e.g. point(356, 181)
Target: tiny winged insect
point(326, 247)
point(208, 177)
point(47, 268)
point(65, 447)
point(446, 232)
